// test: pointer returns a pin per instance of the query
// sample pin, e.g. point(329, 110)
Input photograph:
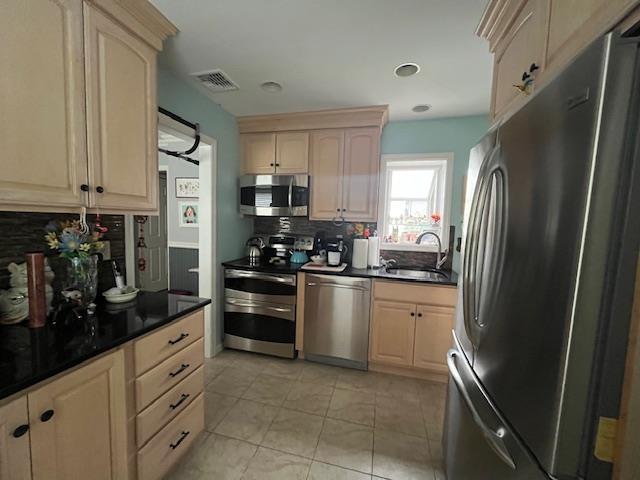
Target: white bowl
point(120, 297)
point(318, 259)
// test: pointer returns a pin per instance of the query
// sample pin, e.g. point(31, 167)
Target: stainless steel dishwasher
point(336, 320)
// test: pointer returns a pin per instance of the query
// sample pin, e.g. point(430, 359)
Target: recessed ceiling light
point(407, 69)
point(421, 108)
point(271, 87)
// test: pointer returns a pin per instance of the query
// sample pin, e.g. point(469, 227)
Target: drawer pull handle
point(182, 368)
point(183, 435)
point(179, 339)
point(20, 431)
point(183, 397)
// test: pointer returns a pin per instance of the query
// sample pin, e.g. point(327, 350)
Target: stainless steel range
point(260, 312)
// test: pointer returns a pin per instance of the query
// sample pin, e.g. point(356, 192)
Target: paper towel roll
point(374, 252)
point(360, 248)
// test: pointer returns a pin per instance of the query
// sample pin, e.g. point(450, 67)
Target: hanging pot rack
point(184, 155)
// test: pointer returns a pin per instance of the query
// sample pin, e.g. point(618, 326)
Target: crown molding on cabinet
point(141, 18)
point(373, 116)
point(497, 19)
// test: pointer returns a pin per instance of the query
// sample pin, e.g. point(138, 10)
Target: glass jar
point(82, 276)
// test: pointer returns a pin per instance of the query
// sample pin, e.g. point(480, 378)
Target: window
point(415, 198)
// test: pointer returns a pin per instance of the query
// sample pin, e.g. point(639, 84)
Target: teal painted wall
point(457, 135)
point(180, 98)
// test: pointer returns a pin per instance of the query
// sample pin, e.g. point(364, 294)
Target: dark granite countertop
point(29, 356)
point(379, 273)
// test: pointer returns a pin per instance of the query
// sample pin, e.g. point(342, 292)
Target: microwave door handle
point(290, 196)
point(495, 437)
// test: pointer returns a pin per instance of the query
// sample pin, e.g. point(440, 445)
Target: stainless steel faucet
point(440, 260)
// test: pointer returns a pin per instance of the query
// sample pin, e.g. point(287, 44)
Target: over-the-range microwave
point(274, 195)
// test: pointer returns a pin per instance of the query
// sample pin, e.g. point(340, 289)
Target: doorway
point(190, 254)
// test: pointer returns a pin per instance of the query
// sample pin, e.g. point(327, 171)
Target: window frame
point(412, 160)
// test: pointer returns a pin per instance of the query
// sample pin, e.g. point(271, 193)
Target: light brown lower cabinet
point(432, 337)
point(15, 455)
point(393, 333)
point(78, 423)
point(408, 334)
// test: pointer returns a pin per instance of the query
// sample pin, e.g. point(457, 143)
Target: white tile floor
point(268, 418)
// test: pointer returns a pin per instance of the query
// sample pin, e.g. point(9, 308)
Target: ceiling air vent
point(216, 81)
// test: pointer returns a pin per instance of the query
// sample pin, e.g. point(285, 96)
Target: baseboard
point(422, 374)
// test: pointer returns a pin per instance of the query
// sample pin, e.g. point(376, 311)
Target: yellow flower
point(98, 245)
point(85, 247)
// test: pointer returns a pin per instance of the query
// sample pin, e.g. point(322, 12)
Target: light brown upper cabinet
point(270, 153)
point(292, 153)
point(573, 24)
point(79, 423)
point(522, 48)
point(340, 149)
point(15, 454)
point(79, 69)
point(547, 33)
point(258, 153)
point(42, 105)
point(344, 174)
point(327, 166)
point(122, 116)
point(361, 174)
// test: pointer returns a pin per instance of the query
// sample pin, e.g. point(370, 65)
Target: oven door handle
point(259, 276)
point(240, 303)
point(290, 196)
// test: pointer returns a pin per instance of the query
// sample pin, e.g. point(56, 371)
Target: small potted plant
point(79, 246)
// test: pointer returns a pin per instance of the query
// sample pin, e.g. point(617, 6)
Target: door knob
point(20, 431)
point(46, 416)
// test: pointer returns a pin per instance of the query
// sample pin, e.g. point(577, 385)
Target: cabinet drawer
point(171, 443)
point(153, 349)
point(168, 406)
point(415, 293)
point(168, 374)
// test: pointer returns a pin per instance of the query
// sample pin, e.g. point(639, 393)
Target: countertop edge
point(348, 272)
point(18, 387)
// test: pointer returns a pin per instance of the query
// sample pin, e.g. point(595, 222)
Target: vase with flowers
point(80, 247)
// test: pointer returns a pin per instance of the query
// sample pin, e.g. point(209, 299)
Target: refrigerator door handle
point(493, 437)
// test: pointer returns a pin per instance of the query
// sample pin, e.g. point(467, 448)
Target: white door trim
point(207, 242)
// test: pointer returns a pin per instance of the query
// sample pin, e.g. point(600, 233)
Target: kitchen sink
point(423, 274)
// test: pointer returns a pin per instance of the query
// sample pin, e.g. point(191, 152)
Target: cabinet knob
point(47, 415)
point(420, 315)
point(533, 68)
point(277, 164)
point(182, 368)
point(525, 76)
point(84, 187)
point(179, 339)
point(183, 435)
point(271, 165)
point(20, 431)
point(99, 189)
point(344, 209)
point(337, 209)
point(413, 314)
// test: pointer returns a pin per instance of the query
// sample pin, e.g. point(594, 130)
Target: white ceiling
point(335, 53)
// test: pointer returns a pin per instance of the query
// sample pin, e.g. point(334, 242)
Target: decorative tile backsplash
point(265, 226)
point(24, 232)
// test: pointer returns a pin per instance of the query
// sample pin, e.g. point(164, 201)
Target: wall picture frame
point(189, 213)
point(187, 187)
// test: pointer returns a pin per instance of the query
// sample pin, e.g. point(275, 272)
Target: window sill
point(407, 247)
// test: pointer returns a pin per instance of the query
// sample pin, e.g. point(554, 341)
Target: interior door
point(122, 116)
point(155, 276)
point(42, 119)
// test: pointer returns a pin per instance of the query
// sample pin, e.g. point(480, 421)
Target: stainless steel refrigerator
point(550, 245)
